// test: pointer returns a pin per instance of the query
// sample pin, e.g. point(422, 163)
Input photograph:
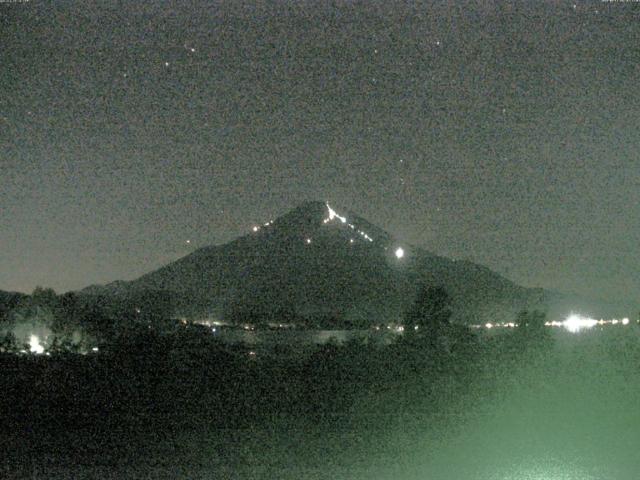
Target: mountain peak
point(309, 216)
point(321, 260)
point(313, 211)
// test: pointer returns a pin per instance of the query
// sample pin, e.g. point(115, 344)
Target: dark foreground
point(495, 408)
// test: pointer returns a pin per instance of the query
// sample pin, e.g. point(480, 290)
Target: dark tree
point(8, 343)
point(531, 327)
point(532, 322)
point(431, 310)
point(44, 297)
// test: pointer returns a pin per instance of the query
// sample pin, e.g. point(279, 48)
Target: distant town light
point(34, 345)
point(574, 322)
point(256, 228)
point(308, 240)
point(399, 252)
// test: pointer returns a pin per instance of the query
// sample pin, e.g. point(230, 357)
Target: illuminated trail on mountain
point(333, 215)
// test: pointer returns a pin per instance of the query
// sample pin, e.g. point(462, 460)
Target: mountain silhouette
point(320, 265)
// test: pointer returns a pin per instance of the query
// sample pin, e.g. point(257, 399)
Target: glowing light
point(94, 349)
point(351, 240)
point(308, 241)
point(574, 322)
point(34, 345)
point(399, 252)
point(166, 64)
point(625, 321)
point(488, 325)
point(256, 228)
point(333, 214)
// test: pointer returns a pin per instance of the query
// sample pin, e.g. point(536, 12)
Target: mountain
point(321, 266)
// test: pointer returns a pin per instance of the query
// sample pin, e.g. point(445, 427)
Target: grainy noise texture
point(132, 133)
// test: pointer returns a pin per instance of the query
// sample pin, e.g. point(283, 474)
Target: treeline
point(72, 318)
point(187, 376)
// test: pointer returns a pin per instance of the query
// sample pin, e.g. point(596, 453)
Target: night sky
point(506, 133)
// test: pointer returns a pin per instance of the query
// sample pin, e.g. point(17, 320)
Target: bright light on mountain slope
point(333, 214)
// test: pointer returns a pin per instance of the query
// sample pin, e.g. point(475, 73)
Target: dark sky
point(501, 132)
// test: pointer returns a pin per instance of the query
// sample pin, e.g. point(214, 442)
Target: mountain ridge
point(316, 263)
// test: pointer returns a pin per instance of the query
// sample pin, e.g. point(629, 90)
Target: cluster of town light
point(34, 345)
point(573, 323)
point(576, 322)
